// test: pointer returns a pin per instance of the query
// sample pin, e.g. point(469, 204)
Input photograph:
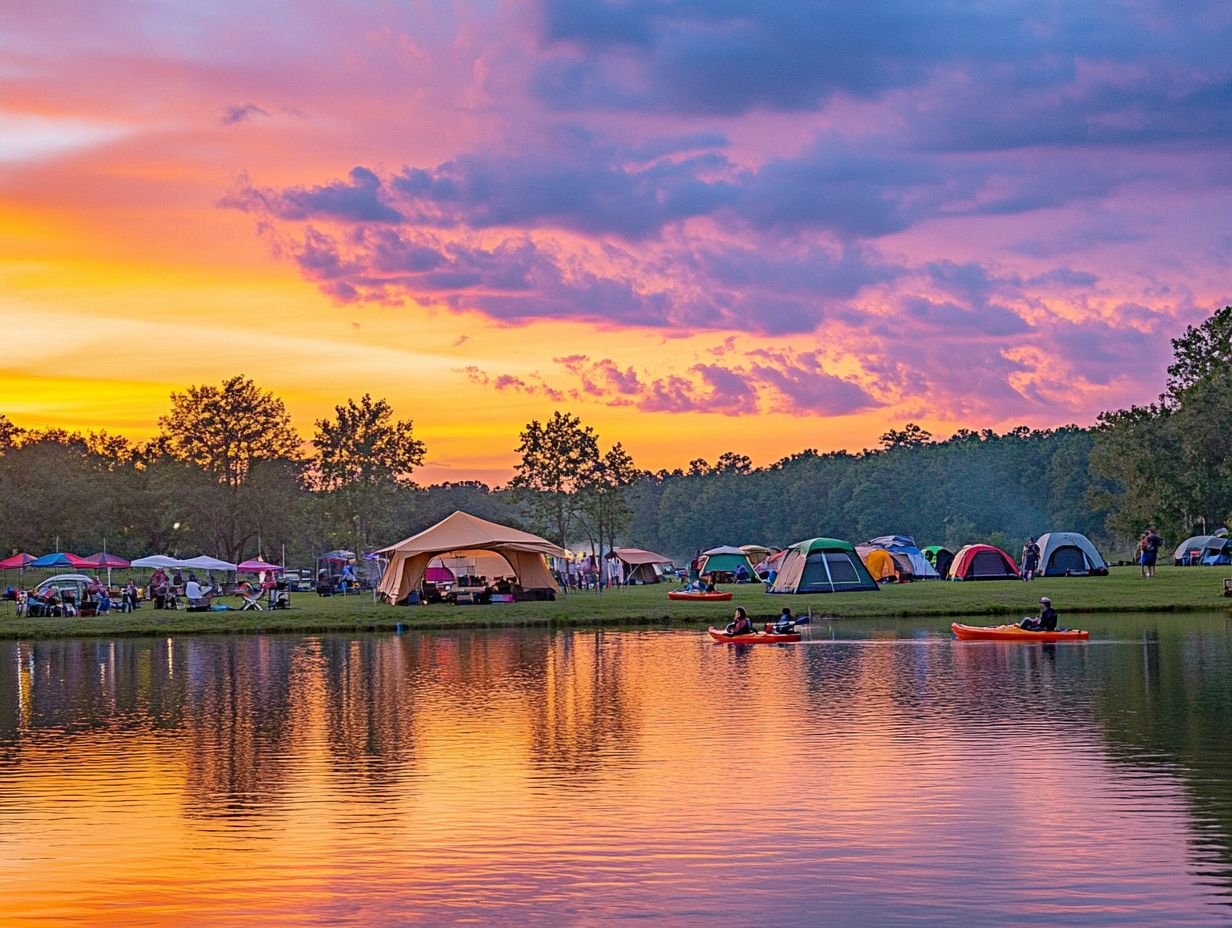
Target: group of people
point(1149, 544)
point(166, 590)
point(741, 624)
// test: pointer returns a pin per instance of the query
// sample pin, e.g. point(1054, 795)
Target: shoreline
point(1175, 590)
point(405, 619)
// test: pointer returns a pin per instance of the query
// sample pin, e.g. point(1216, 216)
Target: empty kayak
point(714, 597)
point(1014, 633)
point(754, 637)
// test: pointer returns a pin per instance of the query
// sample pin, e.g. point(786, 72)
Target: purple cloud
point(241, 113)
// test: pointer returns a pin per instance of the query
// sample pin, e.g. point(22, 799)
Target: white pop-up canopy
point(155, 560)
point(205, 562)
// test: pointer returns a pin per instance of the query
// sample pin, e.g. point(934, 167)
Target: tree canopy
point(226, 429)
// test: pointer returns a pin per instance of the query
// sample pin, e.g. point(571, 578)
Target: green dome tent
point(723, 561)
point(822, 565)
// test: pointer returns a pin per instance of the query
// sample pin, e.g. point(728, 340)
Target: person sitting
point(742, 574)
point(785, 622)
point(707, 583)
point(102, 602)
point(198, 597)
point(1046, 621)
point(740, 624)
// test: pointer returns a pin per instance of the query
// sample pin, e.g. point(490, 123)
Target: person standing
point(1030, 559)
point(1151, 543)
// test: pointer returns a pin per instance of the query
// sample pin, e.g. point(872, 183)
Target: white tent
point(155, 560)
point(205, 562)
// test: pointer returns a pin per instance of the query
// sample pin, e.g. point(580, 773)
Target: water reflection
point(595, 776)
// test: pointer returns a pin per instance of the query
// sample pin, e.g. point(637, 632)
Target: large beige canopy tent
point(462, 535)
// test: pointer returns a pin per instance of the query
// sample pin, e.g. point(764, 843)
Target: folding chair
point(252, 600)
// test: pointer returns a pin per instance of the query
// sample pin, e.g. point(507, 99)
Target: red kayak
point(1014, 633)
point(683, 596)
point(754, 637)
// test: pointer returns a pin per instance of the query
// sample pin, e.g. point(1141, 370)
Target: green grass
point(1175, 589)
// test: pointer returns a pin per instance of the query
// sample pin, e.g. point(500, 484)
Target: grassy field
point(1175, 589)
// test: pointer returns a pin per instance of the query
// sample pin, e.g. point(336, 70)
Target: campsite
point(1174, 590)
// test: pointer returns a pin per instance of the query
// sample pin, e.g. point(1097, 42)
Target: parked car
point(75, 582)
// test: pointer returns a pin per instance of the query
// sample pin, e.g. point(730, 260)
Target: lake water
point(870, 776)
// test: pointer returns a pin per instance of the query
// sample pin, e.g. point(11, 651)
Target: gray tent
point(1069, 554)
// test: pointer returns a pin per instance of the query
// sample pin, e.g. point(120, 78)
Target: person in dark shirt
point(786, 622)
point(1151, 543)
point(740, 625)
point(1046, 621)
point(1030, 559)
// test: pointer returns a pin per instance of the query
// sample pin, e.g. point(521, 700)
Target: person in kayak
point(740, 624)
point(785, 623)
point(1046, 621)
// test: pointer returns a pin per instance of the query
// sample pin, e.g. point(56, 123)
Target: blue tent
point(921, 568)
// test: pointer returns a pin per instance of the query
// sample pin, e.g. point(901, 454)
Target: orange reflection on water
point(575, 777)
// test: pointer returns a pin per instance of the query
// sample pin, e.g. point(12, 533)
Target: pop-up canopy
point(59, 559)
point(256, 566)
point(156, 560)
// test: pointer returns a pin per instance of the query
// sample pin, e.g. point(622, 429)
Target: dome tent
point(822, 565)
point(982, 562)
point(1069, 554)
point(1189, 551)
point(880, 563)
point(940, 557)
point(724, 560)
point(903, 547)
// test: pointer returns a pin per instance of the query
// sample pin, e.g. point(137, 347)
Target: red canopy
point(256, 565)
point(103, 559)
point(16, 562)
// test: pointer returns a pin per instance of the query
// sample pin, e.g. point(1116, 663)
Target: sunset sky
point(701, 226)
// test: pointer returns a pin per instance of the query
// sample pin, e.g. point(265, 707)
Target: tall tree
point(1200, 352)
point(226, 432)
point(555, 458)
point(10, 434)
point(364, 460)
point(909, 436)
point(226, 429)
point(602, 489)
point(364, 444)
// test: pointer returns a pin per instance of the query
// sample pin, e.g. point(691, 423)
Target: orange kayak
point(1014, 633)
point(754, 638)
point(715, 597)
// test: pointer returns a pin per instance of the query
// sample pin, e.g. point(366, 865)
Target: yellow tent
point(879, 563)
point(464, 535)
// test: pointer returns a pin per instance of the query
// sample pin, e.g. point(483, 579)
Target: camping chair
point(252, 600)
